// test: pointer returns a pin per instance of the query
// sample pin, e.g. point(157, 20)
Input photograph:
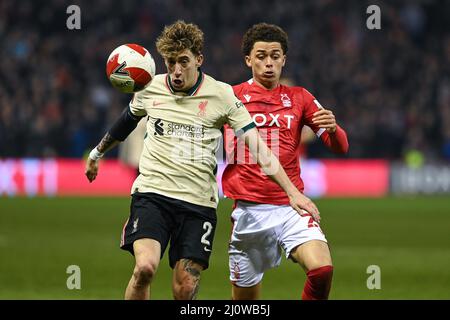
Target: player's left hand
point(302, 203)
point(325, 119)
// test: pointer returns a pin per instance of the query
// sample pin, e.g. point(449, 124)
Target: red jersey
point(279, 115)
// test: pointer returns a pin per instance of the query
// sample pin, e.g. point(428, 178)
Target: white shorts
point(259, 233)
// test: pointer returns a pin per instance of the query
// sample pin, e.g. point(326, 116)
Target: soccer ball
point(130, 68)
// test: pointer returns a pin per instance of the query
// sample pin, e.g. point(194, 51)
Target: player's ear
point(199, 60)
point(284, 60)
point(248, 61)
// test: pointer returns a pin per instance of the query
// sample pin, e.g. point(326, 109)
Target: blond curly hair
point(178, 37)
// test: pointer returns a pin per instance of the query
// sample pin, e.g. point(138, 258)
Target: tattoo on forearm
point(188, 266)
point(195, 291)
point(195, 273)
point(106, 142)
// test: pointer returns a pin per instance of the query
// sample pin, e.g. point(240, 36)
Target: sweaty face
point(266, 60)
point(182, 69)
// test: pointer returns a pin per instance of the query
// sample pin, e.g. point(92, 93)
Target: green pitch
point(408, 238)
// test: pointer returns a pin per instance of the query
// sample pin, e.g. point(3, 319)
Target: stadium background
point(386, 203)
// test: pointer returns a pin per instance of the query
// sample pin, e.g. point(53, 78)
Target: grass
point(408, 238)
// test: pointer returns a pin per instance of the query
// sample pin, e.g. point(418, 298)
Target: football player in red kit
point(263, 220)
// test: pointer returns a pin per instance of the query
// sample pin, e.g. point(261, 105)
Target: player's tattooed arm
point(107, 143)
point(118, 132)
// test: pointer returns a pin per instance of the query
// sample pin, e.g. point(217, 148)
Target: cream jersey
point(182, 136)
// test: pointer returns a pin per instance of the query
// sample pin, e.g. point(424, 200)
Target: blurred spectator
point(389, 87)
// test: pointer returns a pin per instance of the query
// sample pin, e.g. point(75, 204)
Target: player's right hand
point(91, 169)
point(302, 203)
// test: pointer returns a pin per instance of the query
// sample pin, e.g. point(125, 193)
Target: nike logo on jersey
point(206, 249)
point(247, 97)
point(156, 103)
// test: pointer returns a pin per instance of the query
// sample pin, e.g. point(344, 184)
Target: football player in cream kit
point(174, 198)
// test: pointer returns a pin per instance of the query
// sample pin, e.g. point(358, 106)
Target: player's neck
point(189, 91)
point(195, 82)
point(266, 85)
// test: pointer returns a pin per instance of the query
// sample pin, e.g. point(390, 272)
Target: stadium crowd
point(389, 88)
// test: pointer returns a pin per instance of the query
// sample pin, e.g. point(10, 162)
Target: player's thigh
point(246, 266)
point(253, 246)
point(147, 220)
point(304, 241)
point(147, 254)
point(246, 293)
point(312, 254)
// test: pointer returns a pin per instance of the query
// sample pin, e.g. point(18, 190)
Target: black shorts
point(189, 227)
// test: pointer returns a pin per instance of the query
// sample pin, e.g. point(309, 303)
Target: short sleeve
point(237, 115)
point(137, 104)
point(311, 106)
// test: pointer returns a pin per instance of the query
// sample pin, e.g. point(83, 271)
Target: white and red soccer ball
point(130, 68)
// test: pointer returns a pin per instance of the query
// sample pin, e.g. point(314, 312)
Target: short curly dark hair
point(264, 32)
point(178, 37)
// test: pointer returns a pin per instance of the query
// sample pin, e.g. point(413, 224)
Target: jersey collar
point(192, 91)
point(258, 87)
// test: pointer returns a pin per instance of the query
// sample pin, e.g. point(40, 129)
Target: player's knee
point(319, 261)
point(323, 261)
point(144, 273)
point(313, 255)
